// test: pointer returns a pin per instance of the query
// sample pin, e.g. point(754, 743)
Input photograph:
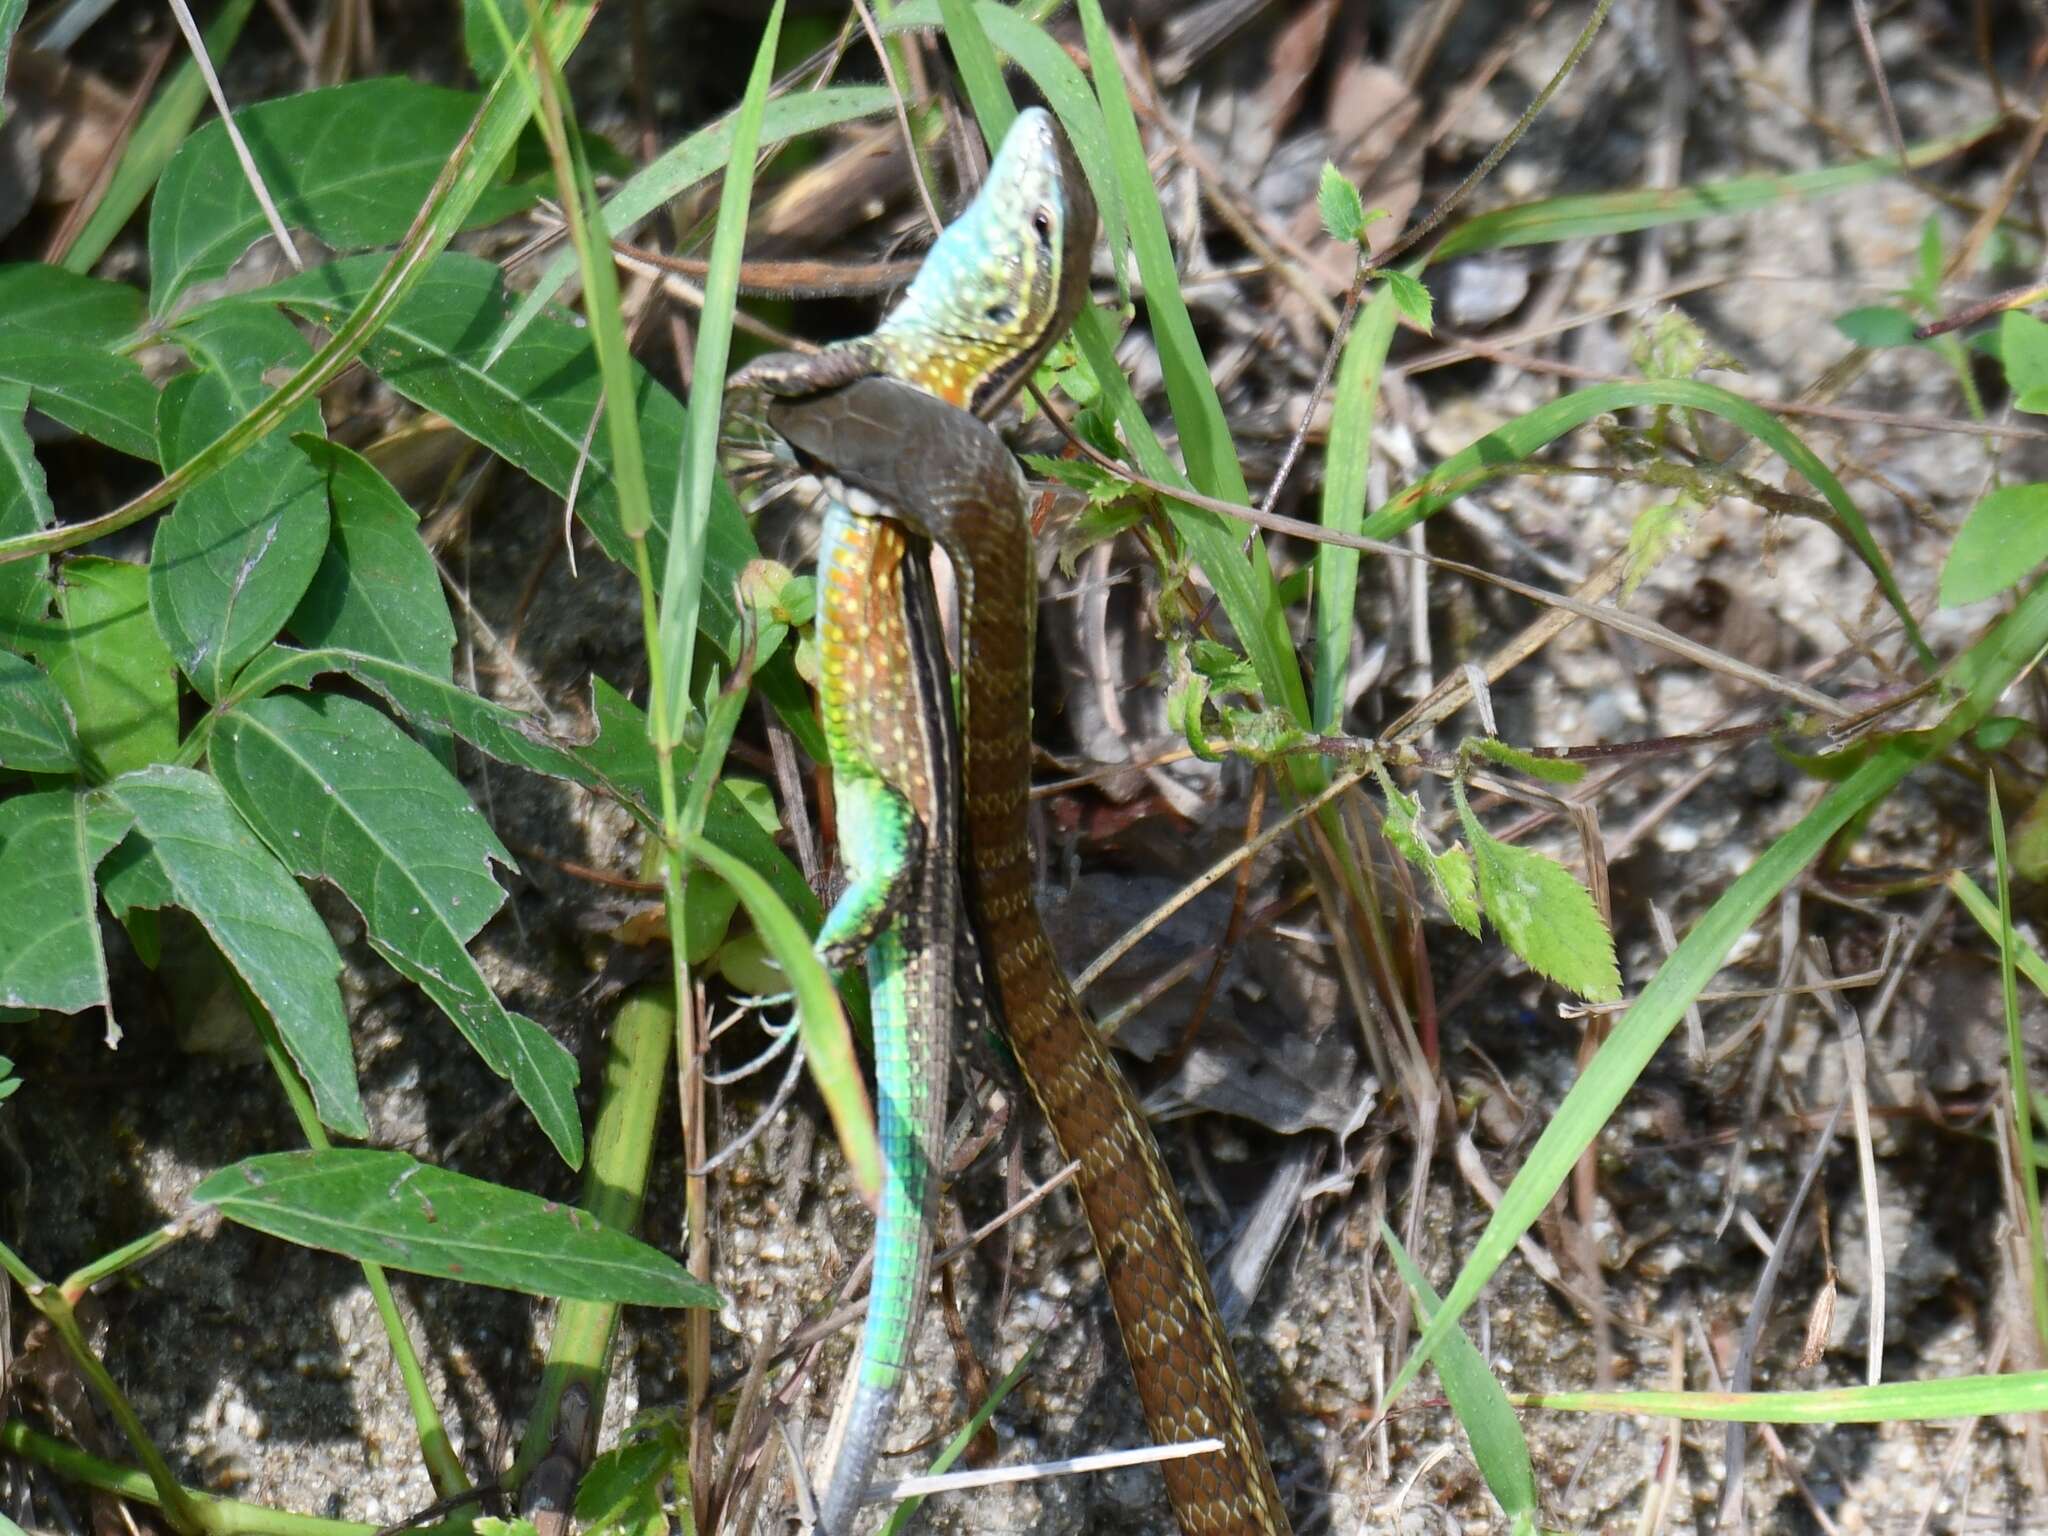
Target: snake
point(892, 429)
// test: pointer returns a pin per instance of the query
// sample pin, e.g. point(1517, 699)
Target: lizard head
point(1004, 280)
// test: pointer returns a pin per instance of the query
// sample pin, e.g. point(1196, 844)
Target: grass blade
point(1977, 678)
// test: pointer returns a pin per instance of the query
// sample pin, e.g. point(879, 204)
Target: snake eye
point(1041, 221)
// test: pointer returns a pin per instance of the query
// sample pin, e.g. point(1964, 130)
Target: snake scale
point(890, 428)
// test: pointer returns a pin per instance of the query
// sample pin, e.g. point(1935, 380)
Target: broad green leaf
point(377, 589)
point(1343, 211)
point(1489, 1422)
point(214, 868)
point(615, 764)
point(233, 559)
point(341, 794)
point(58, 334)
point(8, 1084)
point(36, 733)
point(1450, 872)
point(622, 1493)
point(391, 1209)
point(25, 591)
point(534, 406)
point(113, 668)
point(453, 198)
point(1878, 325)
point(156, 138)
point(1412, 299)
point(50, 844)
point(2023, 350)
point(1977, 679)
point(1542, 913)
point(683, 165)
point(350, 164)
point(2001, 542)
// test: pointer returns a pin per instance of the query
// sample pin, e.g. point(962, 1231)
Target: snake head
point(1003, 280)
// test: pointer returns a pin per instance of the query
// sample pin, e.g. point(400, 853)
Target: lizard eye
point(1041, 221)
point(999, 314)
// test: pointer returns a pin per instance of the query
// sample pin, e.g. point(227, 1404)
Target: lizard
point(892, 427)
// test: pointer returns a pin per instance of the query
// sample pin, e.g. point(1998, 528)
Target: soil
point(262, 1367)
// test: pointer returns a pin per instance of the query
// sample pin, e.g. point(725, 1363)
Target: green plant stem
point(216, 1517)
point(444, 1467)
point(78, 1282)
point(2027, 1173)
point(11, 1264)
point(614, 1189)
point(183, 1509)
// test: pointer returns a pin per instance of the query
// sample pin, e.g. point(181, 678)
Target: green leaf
point(50, 844)
point(619, 763)
point(1354, 400)
point(213, 866)
point(25, 591)
point(350, 164)
point(1450, 872)
point(2000, 543)
point(1412, 298)
point(1482, 1408)
point(621, 1494)
point(36, 733)
point(58, 333)
point(1654, 534)
point(1542, 913)
point(1551, 770)
point(115, 672)
point(377, 589)
point(533, 406)
point(231, 562)
point(1613, 213)
point(2023, 349)
point(391, 1209)
point(8, 1083)
point(341, 794)
point(1927, 286)
point(1878, 326)
point(1343, 210)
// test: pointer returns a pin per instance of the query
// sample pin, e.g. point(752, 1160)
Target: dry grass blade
point(197, 44)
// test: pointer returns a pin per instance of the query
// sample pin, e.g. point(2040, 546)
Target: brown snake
point(947, 476)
